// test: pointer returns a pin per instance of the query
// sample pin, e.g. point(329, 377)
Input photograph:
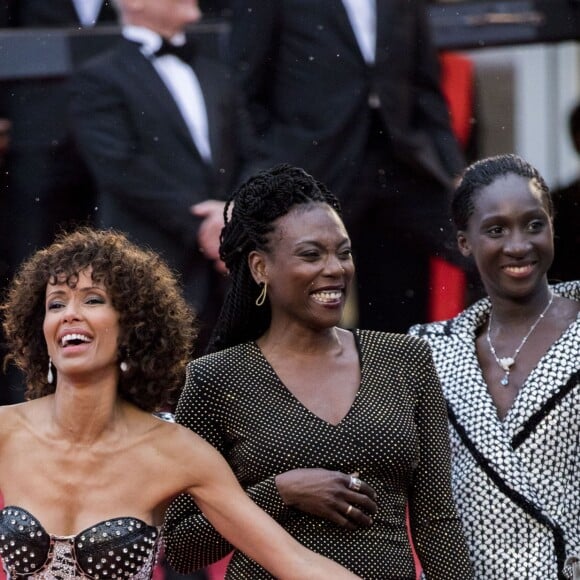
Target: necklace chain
point(505, 363)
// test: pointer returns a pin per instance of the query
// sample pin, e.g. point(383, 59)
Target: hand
point(208, 237)
point(326, 494)
point(5, 135)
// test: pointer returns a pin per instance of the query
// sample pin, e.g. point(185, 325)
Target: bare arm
point(233, 514)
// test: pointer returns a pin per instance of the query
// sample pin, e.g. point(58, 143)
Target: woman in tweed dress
point(509, 367)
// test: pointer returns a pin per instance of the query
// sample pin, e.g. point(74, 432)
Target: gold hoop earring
point(262, 295)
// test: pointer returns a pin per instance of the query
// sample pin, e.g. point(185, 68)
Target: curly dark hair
point(255, 206)
point(156, 326)
point(483, 173)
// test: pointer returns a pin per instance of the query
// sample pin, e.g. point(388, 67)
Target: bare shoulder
point(13, 417)
point(186, 454)
point(20, 426)
point(175, 439)
point(10, 415)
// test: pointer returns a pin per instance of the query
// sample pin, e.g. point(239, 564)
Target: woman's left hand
point(338, 497)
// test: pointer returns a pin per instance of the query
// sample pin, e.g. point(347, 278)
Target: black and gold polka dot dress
point(395, 435)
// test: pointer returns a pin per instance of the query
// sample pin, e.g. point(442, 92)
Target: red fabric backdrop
point(447, 281)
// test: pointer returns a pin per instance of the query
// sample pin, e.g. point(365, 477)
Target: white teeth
point(328, 295)
point(70, 337)
point(517, 269)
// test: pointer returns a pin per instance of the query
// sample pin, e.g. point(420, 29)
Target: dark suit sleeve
point(110, 144)
point(435, 525)
point(432, 108)
point(191, 541)
point(252, 53)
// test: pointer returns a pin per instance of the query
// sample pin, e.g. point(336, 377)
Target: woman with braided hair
point(332, 432)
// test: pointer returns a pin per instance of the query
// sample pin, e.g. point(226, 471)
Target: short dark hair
point(255, 206)
point(484, 172)
point(157, 327)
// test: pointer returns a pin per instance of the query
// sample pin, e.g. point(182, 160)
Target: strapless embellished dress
point(123, 547)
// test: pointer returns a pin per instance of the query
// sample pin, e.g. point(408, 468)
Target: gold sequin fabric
point(516, 482)
point(120, 548)
point(395, 435)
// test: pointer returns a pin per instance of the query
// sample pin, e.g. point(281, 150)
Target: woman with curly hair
point(102, 333)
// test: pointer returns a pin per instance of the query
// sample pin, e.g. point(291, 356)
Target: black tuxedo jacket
point(308, 86)
point(144, 160)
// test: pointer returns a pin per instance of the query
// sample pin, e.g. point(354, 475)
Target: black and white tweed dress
point(516, 482)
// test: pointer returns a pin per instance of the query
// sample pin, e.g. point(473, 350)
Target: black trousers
point(397, 218)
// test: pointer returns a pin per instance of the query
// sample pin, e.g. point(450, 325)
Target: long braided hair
point(255, 206)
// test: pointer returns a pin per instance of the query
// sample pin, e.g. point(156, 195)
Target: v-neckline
point(523, 392)
point(299, 403)
point(506, 422)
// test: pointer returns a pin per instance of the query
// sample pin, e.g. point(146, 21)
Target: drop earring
point(50, 374)
point(124, 365)
point(262, 295)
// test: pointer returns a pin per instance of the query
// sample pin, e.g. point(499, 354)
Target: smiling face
point(81, 328)
point(308, 268)
point(510, 236)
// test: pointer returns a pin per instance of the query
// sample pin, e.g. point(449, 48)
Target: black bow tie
point(183, 51)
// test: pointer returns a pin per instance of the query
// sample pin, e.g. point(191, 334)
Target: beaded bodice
point(122, 547)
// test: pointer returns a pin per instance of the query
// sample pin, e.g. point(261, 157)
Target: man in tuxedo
point(165, 136)
point(349, 90)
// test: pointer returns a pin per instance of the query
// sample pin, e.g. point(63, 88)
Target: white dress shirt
point(363, 19)
point(181, 81)
point(88, 11)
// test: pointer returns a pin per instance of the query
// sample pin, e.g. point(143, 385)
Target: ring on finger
point(348, 510)
point(354, 483)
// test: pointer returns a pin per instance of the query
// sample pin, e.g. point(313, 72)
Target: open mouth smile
point(74, 339)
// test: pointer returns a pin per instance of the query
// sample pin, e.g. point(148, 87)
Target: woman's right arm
point(234, 515)
point(191, 541)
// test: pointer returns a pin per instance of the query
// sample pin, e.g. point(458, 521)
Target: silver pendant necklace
point(507, 362)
